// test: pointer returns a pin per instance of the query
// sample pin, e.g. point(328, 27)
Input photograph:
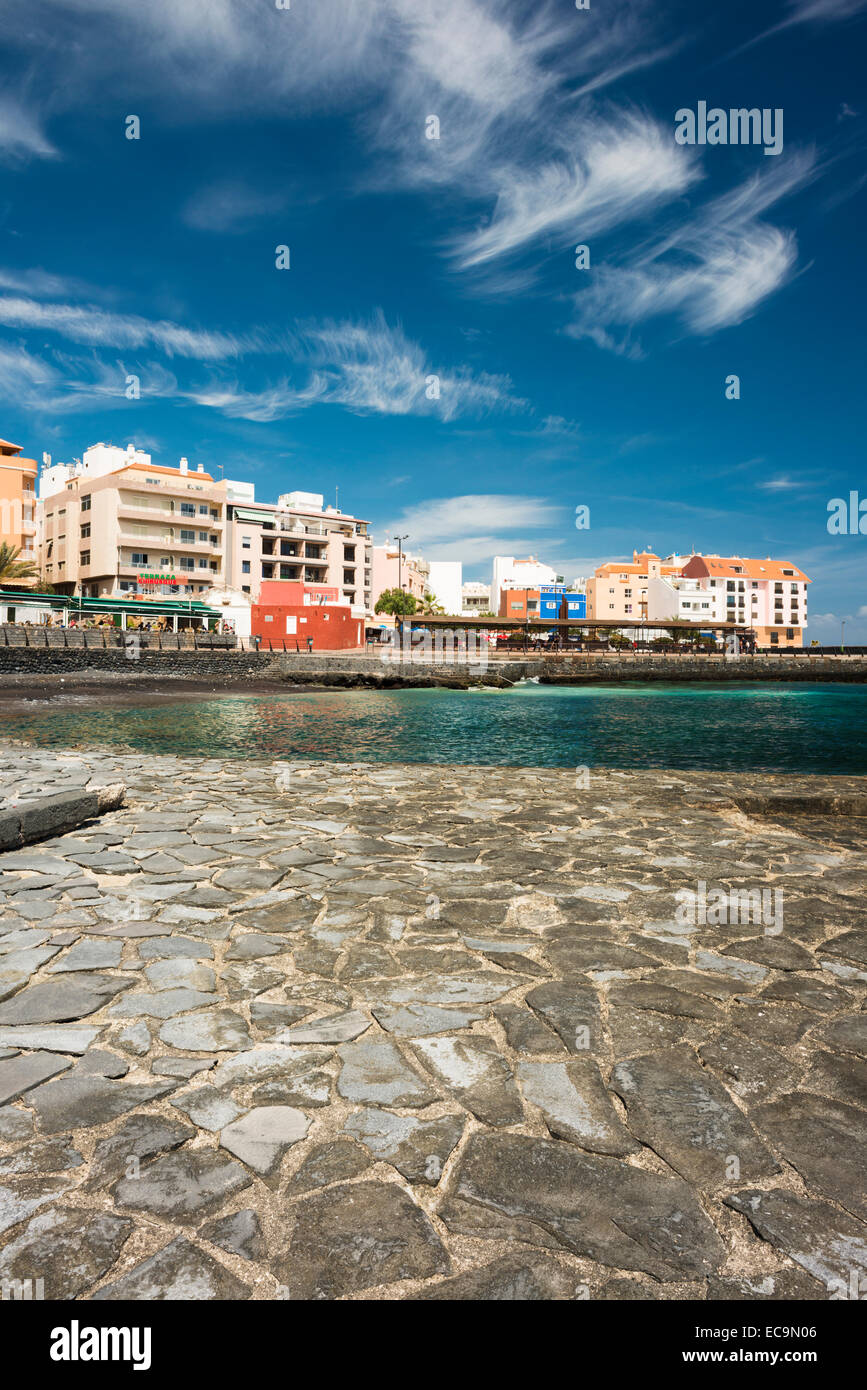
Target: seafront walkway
point(307, 1030)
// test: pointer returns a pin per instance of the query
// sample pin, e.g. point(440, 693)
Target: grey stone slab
point(375, 1072)
point(423, 1020)
point(329, 1163)
point(253, 945)
point(511, 1186)
point(68, 1250)
point(356, 1237)
point(89, 955)
point(42, 1156)
point(181, 1272)
point(476, 1073)
point(28, 1070)
point(846, 1034)
point(98, 1062)
point(61, 1001)
point(663, 999)
point(417, 1148)
point(824, 1140)
point(137, 1140)
point(266, 1062)
point(168, 947)
point(212, 1030)
point(572, 1010)
point(476, 987)
point(683, 1113)
point(844, 1078)
point(77, 1102)
point(526, 1278)
point(50, 1038)
point(336, 1028)
point(575, 1105)
point(239, 1233)
point(750, 1069)
point(182, 1066)
point(21, 1196)
point(830, 1245)
point(182, 1186)
point(525, 1032)
point(262, 1136)
point(165, 1003)
point(207, 1107)
point(180, 973)
point(15, 1124)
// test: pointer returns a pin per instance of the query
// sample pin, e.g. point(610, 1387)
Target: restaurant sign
point(157, 579)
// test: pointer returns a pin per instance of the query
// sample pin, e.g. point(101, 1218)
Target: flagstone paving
point(317, 1031)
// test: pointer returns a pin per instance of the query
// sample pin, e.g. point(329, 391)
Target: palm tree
point(13, 568)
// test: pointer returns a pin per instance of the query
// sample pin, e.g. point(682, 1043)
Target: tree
point(395, 601)
point(431, 606)
point(13, 568)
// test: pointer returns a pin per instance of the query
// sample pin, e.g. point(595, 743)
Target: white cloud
point(21, 134)
point(475, 527)
point(97, 327)
point(229, 207)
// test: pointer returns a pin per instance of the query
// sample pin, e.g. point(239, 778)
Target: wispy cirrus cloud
point(21, 133)
point(474, 527)
point(97, 327)
point(229, 206)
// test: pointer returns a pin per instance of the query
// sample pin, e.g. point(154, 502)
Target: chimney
point(185, 465)
point(200, 468)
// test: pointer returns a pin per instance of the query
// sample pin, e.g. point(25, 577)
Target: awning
point(245, 514)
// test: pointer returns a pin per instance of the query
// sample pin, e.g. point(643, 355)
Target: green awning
point(244, 514)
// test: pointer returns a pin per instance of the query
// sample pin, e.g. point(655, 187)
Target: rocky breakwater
point(311, 1031)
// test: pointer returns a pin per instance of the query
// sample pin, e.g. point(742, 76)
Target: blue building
point(551, 597)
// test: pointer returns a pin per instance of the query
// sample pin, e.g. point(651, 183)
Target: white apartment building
point(445, 579)
point(673, 597)
point(509, 573)
point(298, 538)
point(475, 598)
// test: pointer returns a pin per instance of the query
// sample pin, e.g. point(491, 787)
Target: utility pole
point(400, 540)
point(842, 647)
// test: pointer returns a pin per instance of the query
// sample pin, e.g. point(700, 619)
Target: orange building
point(618, 592)
point(293, 615)
point(18, 503)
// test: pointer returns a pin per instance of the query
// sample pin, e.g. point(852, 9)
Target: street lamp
point(399, 540)
point(842, 647)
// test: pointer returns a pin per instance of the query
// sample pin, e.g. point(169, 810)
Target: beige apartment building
point(18, 504)
point(619, 592)
point(399, 569)
point(298, 539)
point(115, 524)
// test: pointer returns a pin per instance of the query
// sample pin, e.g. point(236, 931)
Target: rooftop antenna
point(336, 499)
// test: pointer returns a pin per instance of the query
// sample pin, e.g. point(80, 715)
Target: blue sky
point(413, 258)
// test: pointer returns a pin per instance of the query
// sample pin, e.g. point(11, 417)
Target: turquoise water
point(773, 727)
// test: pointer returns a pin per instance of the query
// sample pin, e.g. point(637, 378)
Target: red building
point(291, 612)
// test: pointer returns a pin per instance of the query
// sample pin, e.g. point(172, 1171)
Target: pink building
point(770, 596)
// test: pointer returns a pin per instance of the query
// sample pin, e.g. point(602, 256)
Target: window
point(188, 537)
point(139, 558)
point(245, 543)
point(214, 540)
point(245, 566)
point(267, 571)
point(730, 585)
point(84, 557)
point(215, 515)
point(165, 562)
point(85, 531)
point(285, 572)
point(627, 593)
point(203, 563)
point(187, 563)
point(516, 606)
point(203, 536)
point(793, 588)
point(85, 502)
point(203, 511)
point(269, 618)
point(245, 588)
point(188, 509)
point(775, 637)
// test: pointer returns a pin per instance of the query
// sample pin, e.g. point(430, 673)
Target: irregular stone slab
point(50, 1039)
point(271, 1017)
point(180, 1272)
point(746, 971)
point(69, 1250)
point(22, 1073)
point(59, 1001)
point(180, 972)
point(525, 1032)
point(510, 1186)
point(135, 1039)
point(811, 993)
point(20, 1196)
point(306, 1088)
point(422, 1020)
point(846, 1035)
point(663, 999)
point(374, 1072)
point(15, 1124)
point(240, 1234)
point(572, 1010)
point(827, 1243)
point(182, 1186)
point(329, 1163)
point(357, 1237)
point(267, 1062)
point(337, 1028)
point(254, 945)
point(135, 1142)
point(182, 1066)
point(774, 951)
point(98, 1062)
point(638, 1031)
point(576, 1105)
point(750, 1069)
point(526, 1278)
point(172, 946)
point(166, 1003)
point(47, 1156)
point(217, 1030)
point(845, 1078)
point(419, 1149)
point(851, 945)
point(130, 929)
point(785, 1286)
point(249, 977)
point(476, 1072)
point(262, 1136)
point(479, 987)
point(824, 1140)
point(77, 1102)
point(683, 1113)
point(207, 1107)
point(89, 955)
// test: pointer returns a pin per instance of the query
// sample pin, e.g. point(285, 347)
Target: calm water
point(775, 727)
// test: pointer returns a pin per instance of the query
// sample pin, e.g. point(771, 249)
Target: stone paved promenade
point(312, 1031)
